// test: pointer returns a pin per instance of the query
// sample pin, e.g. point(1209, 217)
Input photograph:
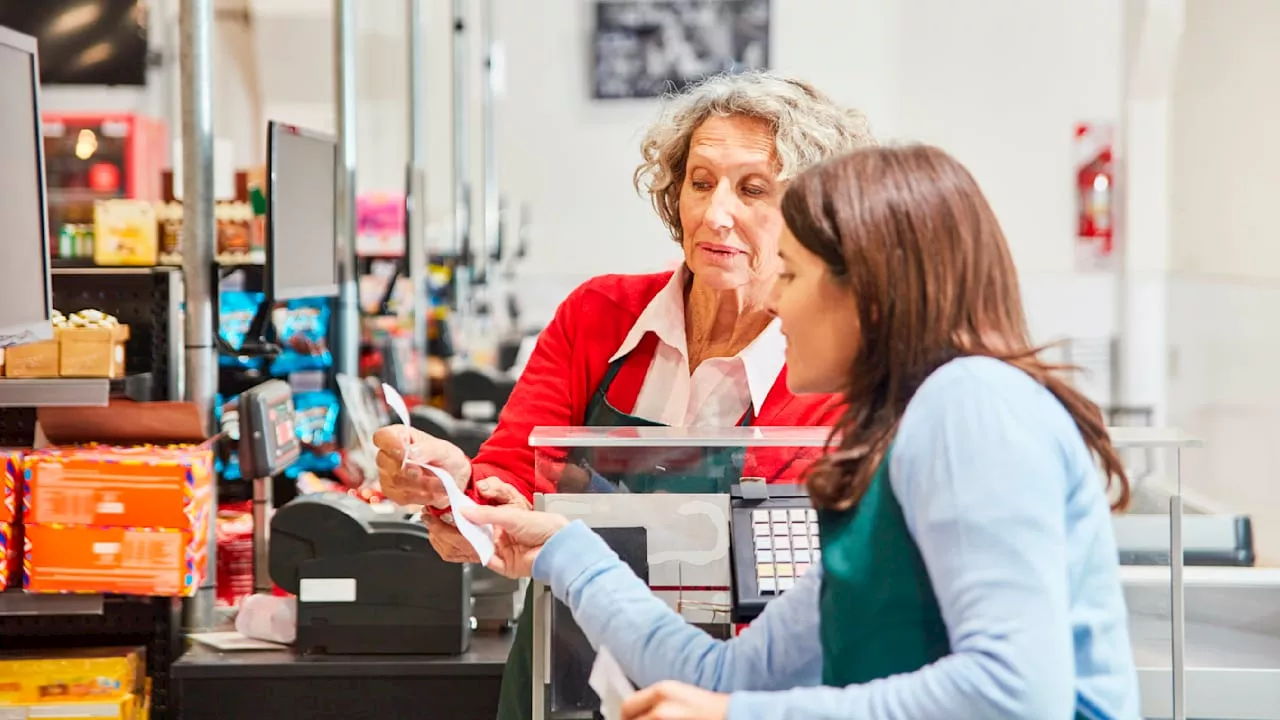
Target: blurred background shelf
point(16, 602)
point(54, 392)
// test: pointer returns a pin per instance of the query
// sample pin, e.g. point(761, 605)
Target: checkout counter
point(384, 627)
point(1206, 635)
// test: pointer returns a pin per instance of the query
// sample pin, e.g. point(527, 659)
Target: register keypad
point(786, 546)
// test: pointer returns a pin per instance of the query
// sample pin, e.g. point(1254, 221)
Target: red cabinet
point(98, 156)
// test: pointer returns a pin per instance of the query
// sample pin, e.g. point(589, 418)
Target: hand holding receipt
point(479, 536)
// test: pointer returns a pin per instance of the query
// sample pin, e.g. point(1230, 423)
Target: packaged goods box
point(129, 513)
point(40, 676)
point(10, 484)
point(140, 486)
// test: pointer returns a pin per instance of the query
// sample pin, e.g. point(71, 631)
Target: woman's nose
point(771, 301)
point(720, 211)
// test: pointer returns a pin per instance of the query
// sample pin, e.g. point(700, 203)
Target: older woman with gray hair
point(692, 348)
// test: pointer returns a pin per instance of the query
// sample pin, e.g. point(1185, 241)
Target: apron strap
point(599, 396)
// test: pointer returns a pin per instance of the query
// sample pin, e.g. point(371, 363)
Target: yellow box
point(94, 352)
point(125, 232)
point(72, 676)
point(129, 707)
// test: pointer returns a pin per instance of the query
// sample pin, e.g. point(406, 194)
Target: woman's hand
point(408, 484)
point(518, 536)
point(675, 701)
point(446, 539)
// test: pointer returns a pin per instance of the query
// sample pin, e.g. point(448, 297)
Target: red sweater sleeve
point(550, 392)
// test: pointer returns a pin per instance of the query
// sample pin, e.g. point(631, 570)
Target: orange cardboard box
point(128, 488)
point(129, 561)
point(9, 555)
point(10, 472)
point(144, 486)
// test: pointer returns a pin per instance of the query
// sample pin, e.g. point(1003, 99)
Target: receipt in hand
point(610, 683)
point(480, 536)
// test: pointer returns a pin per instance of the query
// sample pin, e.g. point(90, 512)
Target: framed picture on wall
point(646, 48)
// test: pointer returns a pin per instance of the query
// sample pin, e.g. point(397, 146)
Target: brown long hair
point(910, 233)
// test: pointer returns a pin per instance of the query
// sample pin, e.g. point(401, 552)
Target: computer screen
point(302, 246)
point(24, 238)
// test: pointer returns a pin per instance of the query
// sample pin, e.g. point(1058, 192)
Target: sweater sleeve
point(547, 394)
point(615, 609)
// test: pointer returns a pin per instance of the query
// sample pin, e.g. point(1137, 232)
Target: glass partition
point(673, 503)
point(1146, 533)
point(671, 460)
point(1220, 656)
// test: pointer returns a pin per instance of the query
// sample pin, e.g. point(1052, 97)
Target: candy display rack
point(149, 300)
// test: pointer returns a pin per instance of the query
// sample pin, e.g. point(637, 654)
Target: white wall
point(1225, 288)
point(999, 83)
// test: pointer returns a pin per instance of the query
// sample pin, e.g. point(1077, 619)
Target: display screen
point(302, 240)
point(24, 291)
point(282, 417)
point(84, 42)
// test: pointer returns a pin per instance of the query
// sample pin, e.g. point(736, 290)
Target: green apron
point(878, 614)
point(682, 470)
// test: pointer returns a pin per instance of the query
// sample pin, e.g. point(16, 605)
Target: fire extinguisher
point(1095, 188)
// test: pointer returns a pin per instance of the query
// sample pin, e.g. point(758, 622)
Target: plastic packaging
point(316, 419)
point(236, 309)
point(302, 329)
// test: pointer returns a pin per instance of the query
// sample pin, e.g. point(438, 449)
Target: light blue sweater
point(1005, 503)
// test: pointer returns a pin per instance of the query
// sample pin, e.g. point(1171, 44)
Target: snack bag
point(302, 330)
point(316, 420)
point(236, 309)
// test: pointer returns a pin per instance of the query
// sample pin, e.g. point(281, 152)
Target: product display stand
point(149, 300)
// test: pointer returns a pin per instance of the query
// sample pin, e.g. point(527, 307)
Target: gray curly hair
point(808, 128)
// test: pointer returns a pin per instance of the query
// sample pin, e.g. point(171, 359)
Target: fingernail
point(483, 485)
point(447, 517)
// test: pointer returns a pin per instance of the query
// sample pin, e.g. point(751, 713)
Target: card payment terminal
point(775, 541)
point(268, 445)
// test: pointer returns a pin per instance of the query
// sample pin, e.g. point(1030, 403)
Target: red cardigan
point(570, 360)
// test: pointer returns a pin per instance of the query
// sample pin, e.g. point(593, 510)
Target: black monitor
point(25, 314)
point(97, 42)
point(302, 236)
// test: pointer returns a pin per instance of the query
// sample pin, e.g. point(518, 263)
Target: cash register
point(366, 578)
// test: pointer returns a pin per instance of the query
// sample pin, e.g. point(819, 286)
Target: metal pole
point(492, 198)
point(461, 149)
point(416, 197)
point(344, 55)
point(196, 68)
point(1177, 598)
point(263, 489)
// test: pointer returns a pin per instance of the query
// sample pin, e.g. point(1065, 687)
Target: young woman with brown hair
point(969, 567)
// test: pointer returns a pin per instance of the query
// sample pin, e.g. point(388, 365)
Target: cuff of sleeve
point(568, 554)
point(753, 705)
